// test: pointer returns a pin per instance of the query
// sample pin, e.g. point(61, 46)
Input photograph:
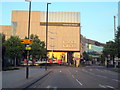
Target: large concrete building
point(7, 30)
point(63, 31)
point(92, 47)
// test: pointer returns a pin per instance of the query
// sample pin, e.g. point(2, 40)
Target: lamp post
point(27, 68)
point(114, 63)
point(46, 33)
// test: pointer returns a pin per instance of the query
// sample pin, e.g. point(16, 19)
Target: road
point(16, 78)
point(85, 77)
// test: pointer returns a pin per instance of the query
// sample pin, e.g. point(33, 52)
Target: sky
point(96, 18)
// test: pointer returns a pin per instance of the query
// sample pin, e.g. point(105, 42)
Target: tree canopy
point(109, 48)
point(37, 47)
point(117, 42)
point(13, 47)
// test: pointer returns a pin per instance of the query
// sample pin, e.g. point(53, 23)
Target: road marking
point(79, 82)
point(102, 86)
point(54, 88)
point(48, 87)
point(73, 76)
point(116, 80)
point(60, 71)
point(110, 86)
point(105, 86)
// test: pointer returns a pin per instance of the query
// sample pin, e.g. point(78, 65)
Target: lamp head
point(48, 3)
point(28, 0)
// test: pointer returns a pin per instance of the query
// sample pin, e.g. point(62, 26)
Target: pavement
point(17, 79)
point(107, 68)
point(0, 80)
point(62, 77)
point(84, 77)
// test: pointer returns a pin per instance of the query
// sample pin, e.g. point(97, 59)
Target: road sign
point(108, 55)
point(26, 41)
point(28, 48)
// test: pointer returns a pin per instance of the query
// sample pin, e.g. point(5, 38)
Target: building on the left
point(63, 32)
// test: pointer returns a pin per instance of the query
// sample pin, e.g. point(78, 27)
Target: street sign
point(28, 48)
point(108, 55)
point(26, 41)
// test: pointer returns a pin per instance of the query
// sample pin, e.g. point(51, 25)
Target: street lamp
point(46, 33)
point(27, 68)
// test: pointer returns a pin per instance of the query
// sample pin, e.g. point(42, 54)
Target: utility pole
point(114, 26)
point(114, 39)
point(46, 34)
point(28, 53)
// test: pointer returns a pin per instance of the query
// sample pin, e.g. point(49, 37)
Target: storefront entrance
point(57, 57)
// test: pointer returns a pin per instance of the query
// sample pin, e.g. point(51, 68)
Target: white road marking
point(60, 71)
point(102, 86)
point(79, 82)
point(110, 86)
point(116, 80)
point(48, 86)
point(105, 86)
point(73, 76)
point(55, 88)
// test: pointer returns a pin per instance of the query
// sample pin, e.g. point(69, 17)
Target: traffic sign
point(28, 48)
point(26, 41)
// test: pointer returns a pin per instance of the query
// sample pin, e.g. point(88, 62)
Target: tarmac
point(17, 78)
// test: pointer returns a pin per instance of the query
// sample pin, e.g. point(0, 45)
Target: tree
point(85, 56)
point(110, 49)
point(2, 49)
point(117, 42)
point(37, 47)
point(2, 40)
point(14, 48)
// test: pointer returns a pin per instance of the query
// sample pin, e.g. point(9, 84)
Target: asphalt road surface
point(85, 77)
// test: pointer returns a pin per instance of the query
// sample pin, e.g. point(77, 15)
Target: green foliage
point(85, 56)
point(2, 37)
point(117, 42)
point(113, 48)
point(14, 48)
point(2, 47)
point(38, 47)
point(109, 48)
point(90, 57)
point(102, 59)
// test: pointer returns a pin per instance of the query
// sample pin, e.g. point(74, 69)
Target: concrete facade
point(63, 32)
point(7, 30)
point(63, 35)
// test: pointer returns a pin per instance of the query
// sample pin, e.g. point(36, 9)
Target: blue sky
point(96, 17)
